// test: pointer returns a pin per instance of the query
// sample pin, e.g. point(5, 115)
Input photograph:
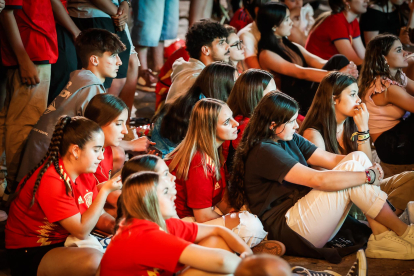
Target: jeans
point(154, 21)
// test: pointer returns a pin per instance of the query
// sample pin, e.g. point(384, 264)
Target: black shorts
point(25, 261)
point(107, 24)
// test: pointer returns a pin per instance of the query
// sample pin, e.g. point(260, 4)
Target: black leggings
point(396, 146)
point(25, 261)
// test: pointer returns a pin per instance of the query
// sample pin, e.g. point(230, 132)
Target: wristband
point(371, 176)
point(361, 135)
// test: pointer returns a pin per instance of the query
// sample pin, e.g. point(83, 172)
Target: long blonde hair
point(139, 198)
point(201, 136)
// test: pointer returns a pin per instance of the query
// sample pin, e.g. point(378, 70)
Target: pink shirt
point(383, 118)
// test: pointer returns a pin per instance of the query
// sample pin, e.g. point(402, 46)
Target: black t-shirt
point(375, 20)
point(266, 167)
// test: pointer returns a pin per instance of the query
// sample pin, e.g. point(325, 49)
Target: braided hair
point(75, 130)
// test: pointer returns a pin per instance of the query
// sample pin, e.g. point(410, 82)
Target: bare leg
point(199, 9)
point(387, 218)
point(158, 56)
point(142, 55)
point(116, 87)
point(69, 261)
point(128, 92)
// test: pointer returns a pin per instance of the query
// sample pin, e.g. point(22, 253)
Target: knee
point(90, 261)
point(250, 229)
point(340, 60)
point(214, 242)
point(351, 166)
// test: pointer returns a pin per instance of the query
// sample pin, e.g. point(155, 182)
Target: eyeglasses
point(238, 44)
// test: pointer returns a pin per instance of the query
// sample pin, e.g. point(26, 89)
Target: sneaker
point(146, 81)
point(3, 215)
point(359, 268)
point(271, 247)
point(389, 246)
point(299, 270)
point(408, 215)
point(409, 237)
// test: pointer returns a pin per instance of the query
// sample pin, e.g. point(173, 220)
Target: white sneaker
point(389, 246)
point(410, 235)
point(408, 215)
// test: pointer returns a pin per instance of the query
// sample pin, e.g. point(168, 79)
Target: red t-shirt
point(141, 248)
point(243, 121)
point(321, 40)
point(240, 19)
point(198, 191)
point(37, 29)
point(38, 225)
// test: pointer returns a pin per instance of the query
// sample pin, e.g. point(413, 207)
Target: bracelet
point(361, 135)
point(362, 142)
point(368, 177)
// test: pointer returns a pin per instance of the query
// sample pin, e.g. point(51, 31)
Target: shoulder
point(315, 137)
point(382, 84)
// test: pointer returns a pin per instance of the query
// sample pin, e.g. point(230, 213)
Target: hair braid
point(52, 156)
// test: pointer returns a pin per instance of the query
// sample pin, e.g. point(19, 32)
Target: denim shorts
point(154, 21)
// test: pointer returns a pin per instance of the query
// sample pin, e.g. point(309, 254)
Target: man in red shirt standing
point(28, 48)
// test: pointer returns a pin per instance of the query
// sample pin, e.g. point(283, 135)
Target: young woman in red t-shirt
point(248, 90)
point(198, 164)
point(53, 202)
point(151, 241)
point(111, 114)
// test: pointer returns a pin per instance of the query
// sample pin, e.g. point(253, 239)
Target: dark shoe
point(299, 270)
point(271, 247)
point(147, 80)
point(359, 268)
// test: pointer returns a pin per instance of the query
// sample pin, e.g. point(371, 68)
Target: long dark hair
point(321, 115)
point(68, 131)
point(273, 107)
point(104, 108)
point(215, 81)
point(374, 65)
point(248, 91)
point(269, 15)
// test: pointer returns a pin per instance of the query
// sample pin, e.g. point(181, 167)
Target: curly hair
point(203, 33)
point(273, 107)
point(75, 130)
point(375, 65)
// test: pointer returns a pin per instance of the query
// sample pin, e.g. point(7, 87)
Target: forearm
point(331, 181)
point(126, 145)
point(106, 223)
point(312, 74)
point(366, 148)
point(63, 18)
point(90, 217)
point(106, 6)
point(234, 242)
point(13, 35)
point(204, 215)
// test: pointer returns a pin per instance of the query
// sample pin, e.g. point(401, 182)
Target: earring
point(274, 28)
point(76, 157)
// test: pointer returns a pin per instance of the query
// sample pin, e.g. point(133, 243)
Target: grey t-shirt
point(83, 85)
point(266, 167)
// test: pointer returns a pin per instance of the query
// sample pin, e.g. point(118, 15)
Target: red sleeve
point(186, 230)
point(200, 188)
point(340, 31)
point(161, 250)
point(14, 4)
point(356, 32)
point(53, 200)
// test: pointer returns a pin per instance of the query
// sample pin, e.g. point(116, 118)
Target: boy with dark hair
point(99, 51)
point(206, 43)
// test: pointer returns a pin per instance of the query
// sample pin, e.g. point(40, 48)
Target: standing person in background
point(28, 48)
point(251, 34)
point(67, 31)
point(325, 41)
point(154, 22)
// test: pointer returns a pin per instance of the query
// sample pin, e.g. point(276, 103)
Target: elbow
point(80, 235)
point(317, 181)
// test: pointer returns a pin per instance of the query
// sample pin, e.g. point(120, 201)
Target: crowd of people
point(261, 142)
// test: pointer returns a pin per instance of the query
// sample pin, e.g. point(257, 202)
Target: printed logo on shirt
point(217, 186)
point(44, 232)
point(64, 94)
point(80, 200)
point(88, 199)
point(155, 272)
point(210, 163)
